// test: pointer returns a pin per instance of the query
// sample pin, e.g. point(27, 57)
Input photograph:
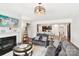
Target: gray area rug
point(67, 50)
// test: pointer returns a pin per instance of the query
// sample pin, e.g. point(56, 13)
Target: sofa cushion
point(62, 52)
point(65, 44)
point(50, 51)
point(37, 38)
point(71, 51)
point(58, 49)
point(51, 43)
point(44, 38)
point(56, 43)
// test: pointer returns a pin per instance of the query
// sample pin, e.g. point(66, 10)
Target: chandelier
point(39, 10)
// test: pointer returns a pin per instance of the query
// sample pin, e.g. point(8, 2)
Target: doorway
point(69, 31)
point(61, 31)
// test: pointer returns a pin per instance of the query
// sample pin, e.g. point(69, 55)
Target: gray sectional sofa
point(67, 49)
point(40, 39)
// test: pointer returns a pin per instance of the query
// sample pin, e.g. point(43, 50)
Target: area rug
point(37, 51)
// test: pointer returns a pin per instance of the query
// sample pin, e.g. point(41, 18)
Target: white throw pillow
point(56, 43)
point(36, 38)
point(44, 38)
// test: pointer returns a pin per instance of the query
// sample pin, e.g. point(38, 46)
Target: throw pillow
point(36, 38)
point(57, 51)
point(44, 38)
point(56, 43)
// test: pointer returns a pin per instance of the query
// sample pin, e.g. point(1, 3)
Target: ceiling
point(53, 10)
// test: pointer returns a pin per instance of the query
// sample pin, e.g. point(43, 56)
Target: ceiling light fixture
point(39, 10)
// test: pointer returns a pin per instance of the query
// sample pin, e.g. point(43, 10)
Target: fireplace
point(7, 44)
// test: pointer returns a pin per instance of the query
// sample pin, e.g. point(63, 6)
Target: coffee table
point(23, 50)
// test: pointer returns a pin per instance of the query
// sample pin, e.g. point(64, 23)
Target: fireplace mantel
point(7, 44)
point(2, 35)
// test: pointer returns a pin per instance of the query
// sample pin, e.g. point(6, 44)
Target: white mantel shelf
point(2, 35)
point(8, 34)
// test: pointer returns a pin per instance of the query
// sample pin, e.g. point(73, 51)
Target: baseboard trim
point(74, 45)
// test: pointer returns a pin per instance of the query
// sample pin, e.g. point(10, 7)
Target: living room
point(43, 34)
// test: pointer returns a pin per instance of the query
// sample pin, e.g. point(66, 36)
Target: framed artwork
point(8, 24)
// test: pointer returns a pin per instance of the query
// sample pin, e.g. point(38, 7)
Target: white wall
point(75, 32)
point(32, 30)
point(33, 26)
point(55, 30)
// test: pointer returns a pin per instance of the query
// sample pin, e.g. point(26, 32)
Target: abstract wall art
point(8, 24)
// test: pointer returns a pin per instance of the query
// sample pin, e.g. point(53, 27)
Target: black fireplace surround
point(7, 44)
